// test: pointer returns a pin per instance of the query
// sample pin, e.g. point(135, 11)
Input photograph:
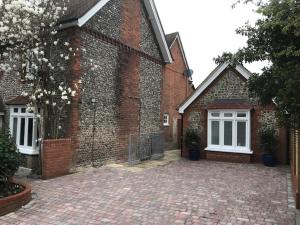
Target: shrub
point(9, 158)
point(268, 139)
point(192, 138)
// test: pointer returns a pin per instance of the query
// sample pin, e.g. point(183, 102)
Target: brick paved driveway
point(182, 192)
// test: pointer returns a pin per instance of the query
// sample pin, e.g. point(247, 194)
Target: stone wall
point(229, 86)
point(108, 20)
point(150, 95)
point(148, 40)
point(100, 84)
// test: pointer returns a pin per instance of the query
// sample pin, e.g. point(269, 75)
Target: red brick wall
point(14, 202)
point(176, 89)
point(56, 158)
point(129, 77)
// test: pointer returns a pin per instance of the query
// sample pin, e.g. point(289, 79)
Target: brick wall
point(176, 89)
point(14, 202)
point(56, 158)
point(230, 85)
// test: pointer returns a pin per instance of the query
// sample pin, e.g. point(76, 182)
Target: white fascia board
point(153, 17)
point(202, 87)
point(151, 9)
point(86, 17)
point(243, 71)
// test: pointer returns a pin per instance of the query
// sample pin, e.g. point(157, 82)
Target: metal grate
point(145, 147)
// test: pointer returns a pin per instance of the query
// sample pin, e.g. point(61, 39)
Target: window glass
point(228, 133)
point(241, 114)
point(227, 114)
point(30, 132)
point(241, 134)
point(16, 110)
point(23, 110)
point(215, 114)
point(215, 134)
point(166, 119)
point(22, 131)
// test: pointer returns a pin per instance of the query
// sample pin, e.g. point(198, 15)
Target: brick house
point(127, 39)
point(227, 119)
point(177, 86)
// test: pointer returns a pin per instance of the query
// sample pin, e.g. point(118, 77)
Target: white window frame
point(24, 149)
point(235, 119)
point(166, 120)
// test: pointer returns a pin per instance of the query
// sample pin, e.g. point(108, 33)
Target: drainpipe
point(181, 136)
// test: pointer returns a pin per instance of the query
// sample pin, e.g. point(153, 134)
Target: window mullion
point(26, 132)
point(221, 132)
point(18, 130)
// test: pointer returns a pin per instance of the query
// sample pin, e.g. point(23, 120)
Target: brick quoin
point(129, 76)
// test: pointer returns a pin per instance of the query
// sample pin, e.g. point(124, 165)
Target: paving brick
point(181, 192)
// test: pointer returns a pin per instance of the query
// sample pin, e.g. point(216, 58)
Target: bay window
point(24, 130)
point(229, 131)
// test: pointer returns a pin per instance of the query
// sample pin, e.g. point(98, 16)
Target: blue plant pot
point(194, 153)
point(269, 160)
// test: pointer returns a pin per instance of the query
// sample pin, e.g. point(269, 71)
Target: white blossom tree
point(31, 48)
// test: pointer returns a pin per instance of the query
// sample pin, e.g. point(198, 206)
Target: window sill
point(240, 151)
point(28, 151)
point(166, 125)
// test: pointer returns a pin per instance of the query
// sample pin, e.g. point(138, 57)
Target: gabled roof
point(79, 12)
point(171, 38)
point(18, 100)
point(210, 79)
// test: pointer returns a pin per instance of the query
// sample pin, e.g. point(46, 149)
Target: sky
point(207, 28)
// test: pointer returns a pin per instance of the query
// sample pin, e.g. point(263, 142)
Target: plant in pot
point(9, 164)
point(268, 140)
point(192, 142)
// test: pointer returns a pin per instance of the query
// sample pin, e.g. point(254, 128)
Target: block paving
point(181, 192)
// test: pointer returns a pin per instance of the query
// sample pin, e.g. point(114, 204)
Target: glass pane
point(227, 114)
point(228, 133)
point(15, 128)
point(23, 110)
point(215, 137)
point(241, 134)
point(16, 110)
point(30, 132)
point(22, 131)
point(215, 114)
point(241, 114)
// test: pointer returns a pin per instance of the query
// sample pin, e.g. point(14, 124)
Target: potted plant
point(268, 140)
point(192, 142)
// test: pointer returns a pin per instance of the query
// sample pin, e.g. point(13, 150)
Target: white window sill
point(28, 151)
point(241, 151)
point(166, 125)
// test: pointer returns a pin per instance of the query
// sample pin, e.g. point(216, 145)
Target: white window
point(166, 119)
point(23, 129)
point(229, 131)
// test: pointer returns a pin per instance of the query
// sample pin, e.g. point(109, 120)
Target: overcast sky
point(207, 28)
